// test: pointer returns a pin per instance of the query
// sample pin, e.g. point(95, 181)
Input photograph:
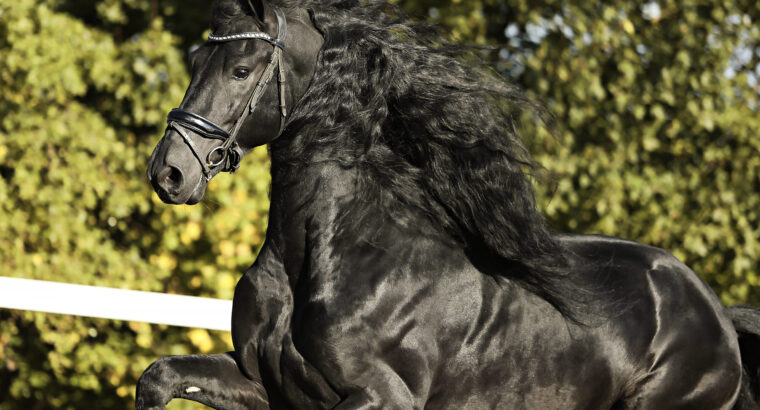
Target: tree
point(84, 93)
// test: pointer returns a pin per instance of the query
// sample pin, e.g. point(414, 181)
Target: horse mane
point(430, 128)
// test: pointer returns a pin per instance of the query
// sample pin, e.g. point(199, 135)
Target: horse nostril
point(175, 176)
point(170, 178)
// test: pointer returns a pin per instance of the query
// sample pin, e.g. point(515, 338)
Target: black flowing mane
point(430, 128)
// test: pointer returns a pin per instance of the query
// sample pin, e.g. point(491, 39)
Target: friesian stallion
point(405, 263)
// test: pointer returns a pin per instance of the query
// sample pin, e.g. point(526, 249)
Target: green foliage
point(657, 142)
point(659, 145)
point(82, 106)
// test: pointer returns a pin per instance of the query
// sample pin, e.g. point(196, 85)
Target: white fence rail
point(118, 304)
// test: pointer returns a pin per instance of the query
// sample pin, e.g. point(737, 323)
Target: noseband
point(229, 154)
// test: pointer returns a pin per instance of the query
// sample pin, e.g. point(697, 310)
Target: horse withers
point(405, 264)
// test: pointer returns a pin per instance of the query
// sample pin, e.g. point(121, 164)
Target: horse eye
point(241, 73)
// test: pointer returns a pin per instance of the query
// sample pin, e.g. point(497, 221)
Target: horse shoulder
point(378, 305)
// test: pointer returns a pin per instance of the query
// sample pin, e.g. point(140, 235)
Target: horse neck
point(307, 198)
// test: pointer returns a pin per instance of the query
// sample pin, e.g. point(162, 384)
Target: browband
point(282, 30)
point(248, 36)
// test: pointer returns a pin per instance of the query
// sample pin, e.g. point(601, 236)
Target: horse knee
point(154, 388)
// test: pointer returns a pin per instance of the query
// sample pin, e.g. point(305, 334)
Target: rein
point(229, 154)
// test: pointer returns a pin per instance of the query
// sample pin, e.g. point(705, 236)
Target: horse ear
point(257, 8)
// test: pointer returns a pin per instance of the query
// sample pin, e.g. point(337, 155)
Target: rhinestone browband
point(243, 36)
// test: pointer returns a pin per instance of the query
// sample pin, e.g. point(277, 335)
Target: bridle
point(228, 155)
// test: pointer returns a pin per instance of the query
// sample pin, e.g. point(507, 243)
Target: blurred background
point(658, 141)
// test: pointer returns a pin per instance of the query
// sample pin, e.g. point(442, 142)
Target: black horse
point(405, 264)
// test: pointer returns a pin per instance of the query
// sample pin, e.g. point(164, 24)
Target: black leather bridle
point(228, 155)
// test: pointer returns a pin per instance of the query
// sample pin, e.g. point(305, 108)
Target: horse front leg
point(214, 380)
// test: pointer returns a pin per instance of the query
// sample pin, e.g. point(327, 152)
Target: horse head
point(257, 63)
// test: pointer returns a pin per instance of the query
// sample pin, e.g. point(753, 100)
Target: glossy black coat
point(381, 314)
point(407, 322)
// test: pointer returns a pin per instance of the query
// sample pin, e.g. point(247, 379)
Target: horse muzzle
point(173, 172)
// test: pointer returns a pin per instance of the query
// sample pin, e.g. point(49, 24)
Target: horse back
point(676, 333)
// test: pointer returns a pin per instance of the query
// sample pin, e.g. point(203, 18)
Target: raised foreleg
point(214, 380)
point(261, 333)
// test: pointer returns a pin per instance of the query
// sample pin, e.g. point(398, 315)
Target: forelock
point(224, 12)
